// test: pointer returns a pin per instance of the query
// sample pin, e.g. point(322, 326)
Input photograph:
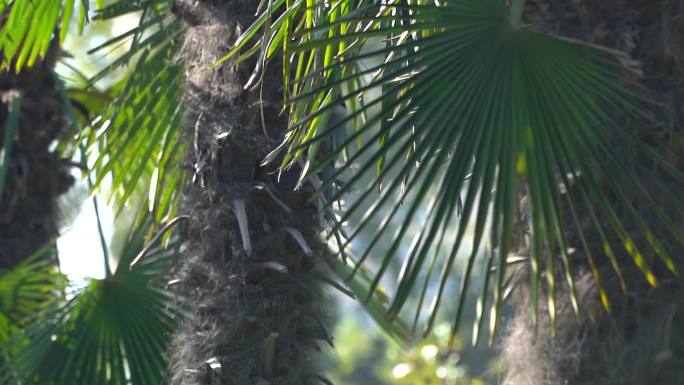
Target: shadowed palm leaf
point(114, 331)
point(464, 101)
point(25, 291)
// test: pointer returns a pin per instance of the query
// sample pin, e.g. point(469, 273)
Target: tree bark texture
point(250, 270)
point(36, 176)
point(641, 341)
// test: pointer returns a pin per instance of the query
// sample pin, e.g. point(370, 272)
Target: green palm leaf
point(465, 104)
point(377, 306)
point(137, 137)
point(25, 291)
point(114, 331)
point(29, 27)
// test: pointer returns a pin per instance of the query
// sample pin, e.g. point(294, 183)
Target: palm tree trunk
point(641, 341)
point(250, 266)
point(35, 175)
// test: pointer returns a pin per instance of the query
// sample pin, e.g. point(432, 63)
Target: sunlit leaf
point(32, 29)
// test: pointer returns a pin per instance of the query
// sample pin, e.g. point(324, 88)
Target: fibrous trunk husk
point(36, 175)
point(254, 300)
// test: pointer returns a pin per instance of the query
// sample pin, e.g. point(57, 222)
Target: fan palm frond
point(26, 290)
point(464, 111)
point(136, 138)
point(114, 331)
point(377, 306)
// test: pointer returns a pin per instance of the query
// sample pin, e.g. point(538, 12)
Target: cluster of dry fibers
point(250, 271)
